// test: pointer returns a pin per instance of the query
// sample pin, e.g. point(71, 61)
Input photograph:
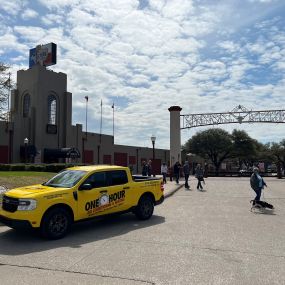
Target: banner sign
point(44, 55)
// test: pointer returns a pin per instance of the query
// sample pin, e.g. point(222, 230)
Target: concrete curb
point(171, 192)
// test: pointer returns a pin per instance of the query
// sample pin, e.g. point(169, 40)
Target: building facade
point(40, 128)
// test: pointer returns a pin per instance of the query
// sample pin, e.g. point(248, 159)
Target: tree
point(278, 151)
point(244, 147)
point(5, 87)
point(214, 144)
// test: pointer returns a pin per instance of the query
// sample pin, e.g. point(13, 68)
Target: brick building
point(41, 111)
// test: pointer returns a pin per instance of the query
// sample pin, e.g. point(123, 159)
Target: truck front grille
point(10, 204)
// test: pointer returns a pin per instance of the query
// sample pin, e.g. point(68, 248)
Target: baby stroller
point(260, 205)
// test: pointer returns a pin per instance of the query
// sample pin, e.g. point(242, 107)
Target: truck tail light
point(161, 186)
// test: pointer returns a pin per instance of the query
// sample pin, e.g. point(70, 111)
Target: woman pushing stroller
point(257, 183)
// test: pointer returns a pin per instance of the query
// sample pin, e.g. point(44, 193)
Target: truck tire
point(56, 223)
point(144, 209)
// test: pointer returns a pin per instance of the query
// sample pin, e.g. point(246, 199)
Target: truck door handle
point(126, 188)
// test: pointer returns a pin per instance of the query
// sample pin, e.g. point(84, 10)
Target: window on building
point(52, 110)
point(26, 105)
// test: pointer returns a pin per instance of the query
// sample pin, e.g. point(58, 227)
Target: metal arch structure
point(238, 115)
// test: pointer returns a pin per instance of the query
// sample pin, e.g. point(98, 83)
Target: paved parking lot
point(194, 237)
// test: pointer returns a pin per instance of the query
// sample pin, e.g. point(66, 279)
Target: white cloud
point(29, 14)
point(51, 19)
point(57, 4)
point(146, 56)
point(30, 33)
point(12, 7)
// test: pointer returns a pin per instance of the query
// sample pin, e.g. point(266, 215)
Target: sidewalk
point(171, 187)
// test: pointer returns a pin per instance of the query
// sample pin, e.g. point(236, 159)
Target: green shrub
point(4, 167)
point(35, 167)
point(55, 167)
point(17, 167)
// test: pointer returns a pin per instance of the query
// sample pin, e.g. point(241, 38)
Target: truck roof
point(96, 167)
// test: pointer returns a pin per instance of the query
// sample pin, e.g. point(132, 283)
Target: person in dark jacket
point(149, 168)
point(164, 170)
point(186, 170)
point(199, 174)
point(257, 184)
point(144, 169)
point(176, 171)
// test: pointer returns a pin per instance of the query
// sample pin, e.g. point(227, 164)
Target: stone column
point(175, 135)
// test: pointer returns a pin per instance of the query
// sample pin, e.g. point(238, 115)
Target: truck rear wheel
point(56, 223)
point(144, 209)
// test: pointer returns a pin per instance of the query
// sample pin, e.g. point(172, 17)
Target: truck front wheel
point(56, 223)
point(144, 209)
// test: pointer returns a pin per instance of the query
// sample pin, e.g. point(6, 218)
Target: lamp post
point(84, 140)
point(26, 141)
point(153, 138)
point(279, 165)
point(191, 157)
point(137, 151)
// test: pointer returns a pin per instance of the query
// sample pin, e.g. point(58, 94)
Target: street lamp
point(153, 138)
point(279, 165)
point(191, 157)
point(26, 141)
point(84, 140)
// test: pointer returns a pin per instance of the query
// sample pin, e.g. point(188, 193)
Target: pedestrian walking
point(164, 170)
point(186, 171)
point(176, 171)
point(257, 184)
point(149, 168)
point(144, 168)
point(199, 174)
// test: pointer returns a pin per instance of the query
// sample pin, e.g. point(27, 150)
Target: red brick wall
point(88, 156)
point(121, 158)
point(4, 154)
point(107, 159)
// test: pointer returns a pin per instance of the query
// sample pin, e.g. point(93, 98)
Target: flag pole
point(86, 98)
point(113, 106)
point(101, 123)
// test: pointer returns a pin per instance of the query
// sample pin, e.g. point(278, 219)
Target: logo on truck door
point(105, 202)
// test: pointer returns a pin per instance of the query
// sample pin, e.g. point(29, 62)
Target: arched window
point(26, 105)
point(52, 110)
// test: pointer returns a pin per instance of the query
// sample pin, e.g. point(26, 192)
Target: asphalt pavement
point(194, 237)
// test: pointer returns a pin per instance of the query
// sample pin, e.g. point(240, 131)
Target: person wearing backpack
point(186, 171)
point(176, 171)
point(199, 174)
point(164, 170)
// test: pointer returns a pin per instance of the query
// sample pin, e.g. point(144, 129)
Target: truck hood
point(32, 190)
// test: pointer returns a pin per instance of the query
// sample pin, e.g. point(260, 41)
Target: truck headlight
point(27, 204)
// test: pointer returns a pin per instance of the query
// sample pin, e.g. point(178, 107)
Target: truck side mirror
point(85, 186)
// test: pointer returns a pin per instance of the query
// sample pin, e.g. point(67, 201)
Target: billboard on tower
point(44, 55)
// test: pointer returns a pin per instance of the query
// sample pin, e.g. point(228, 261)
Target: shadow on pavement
point(14, 242)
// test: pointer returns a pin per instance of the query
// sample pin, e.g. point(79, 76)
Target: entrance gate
point(238, 115)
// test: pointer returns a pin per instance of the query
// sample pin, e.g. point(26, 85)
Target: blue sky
point(147, 55)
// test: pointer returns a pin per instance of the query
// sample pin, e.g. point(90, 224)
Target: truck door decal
point(104, 202)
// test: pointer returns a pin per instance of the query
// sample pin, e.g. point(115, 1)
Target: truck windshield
point(66, 178)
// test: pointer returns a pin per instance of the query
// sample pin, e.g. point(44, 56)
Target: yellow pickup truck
point(80, 193)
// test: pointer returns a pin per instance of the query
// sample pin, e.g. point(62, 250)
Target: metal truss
point(238, 115)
